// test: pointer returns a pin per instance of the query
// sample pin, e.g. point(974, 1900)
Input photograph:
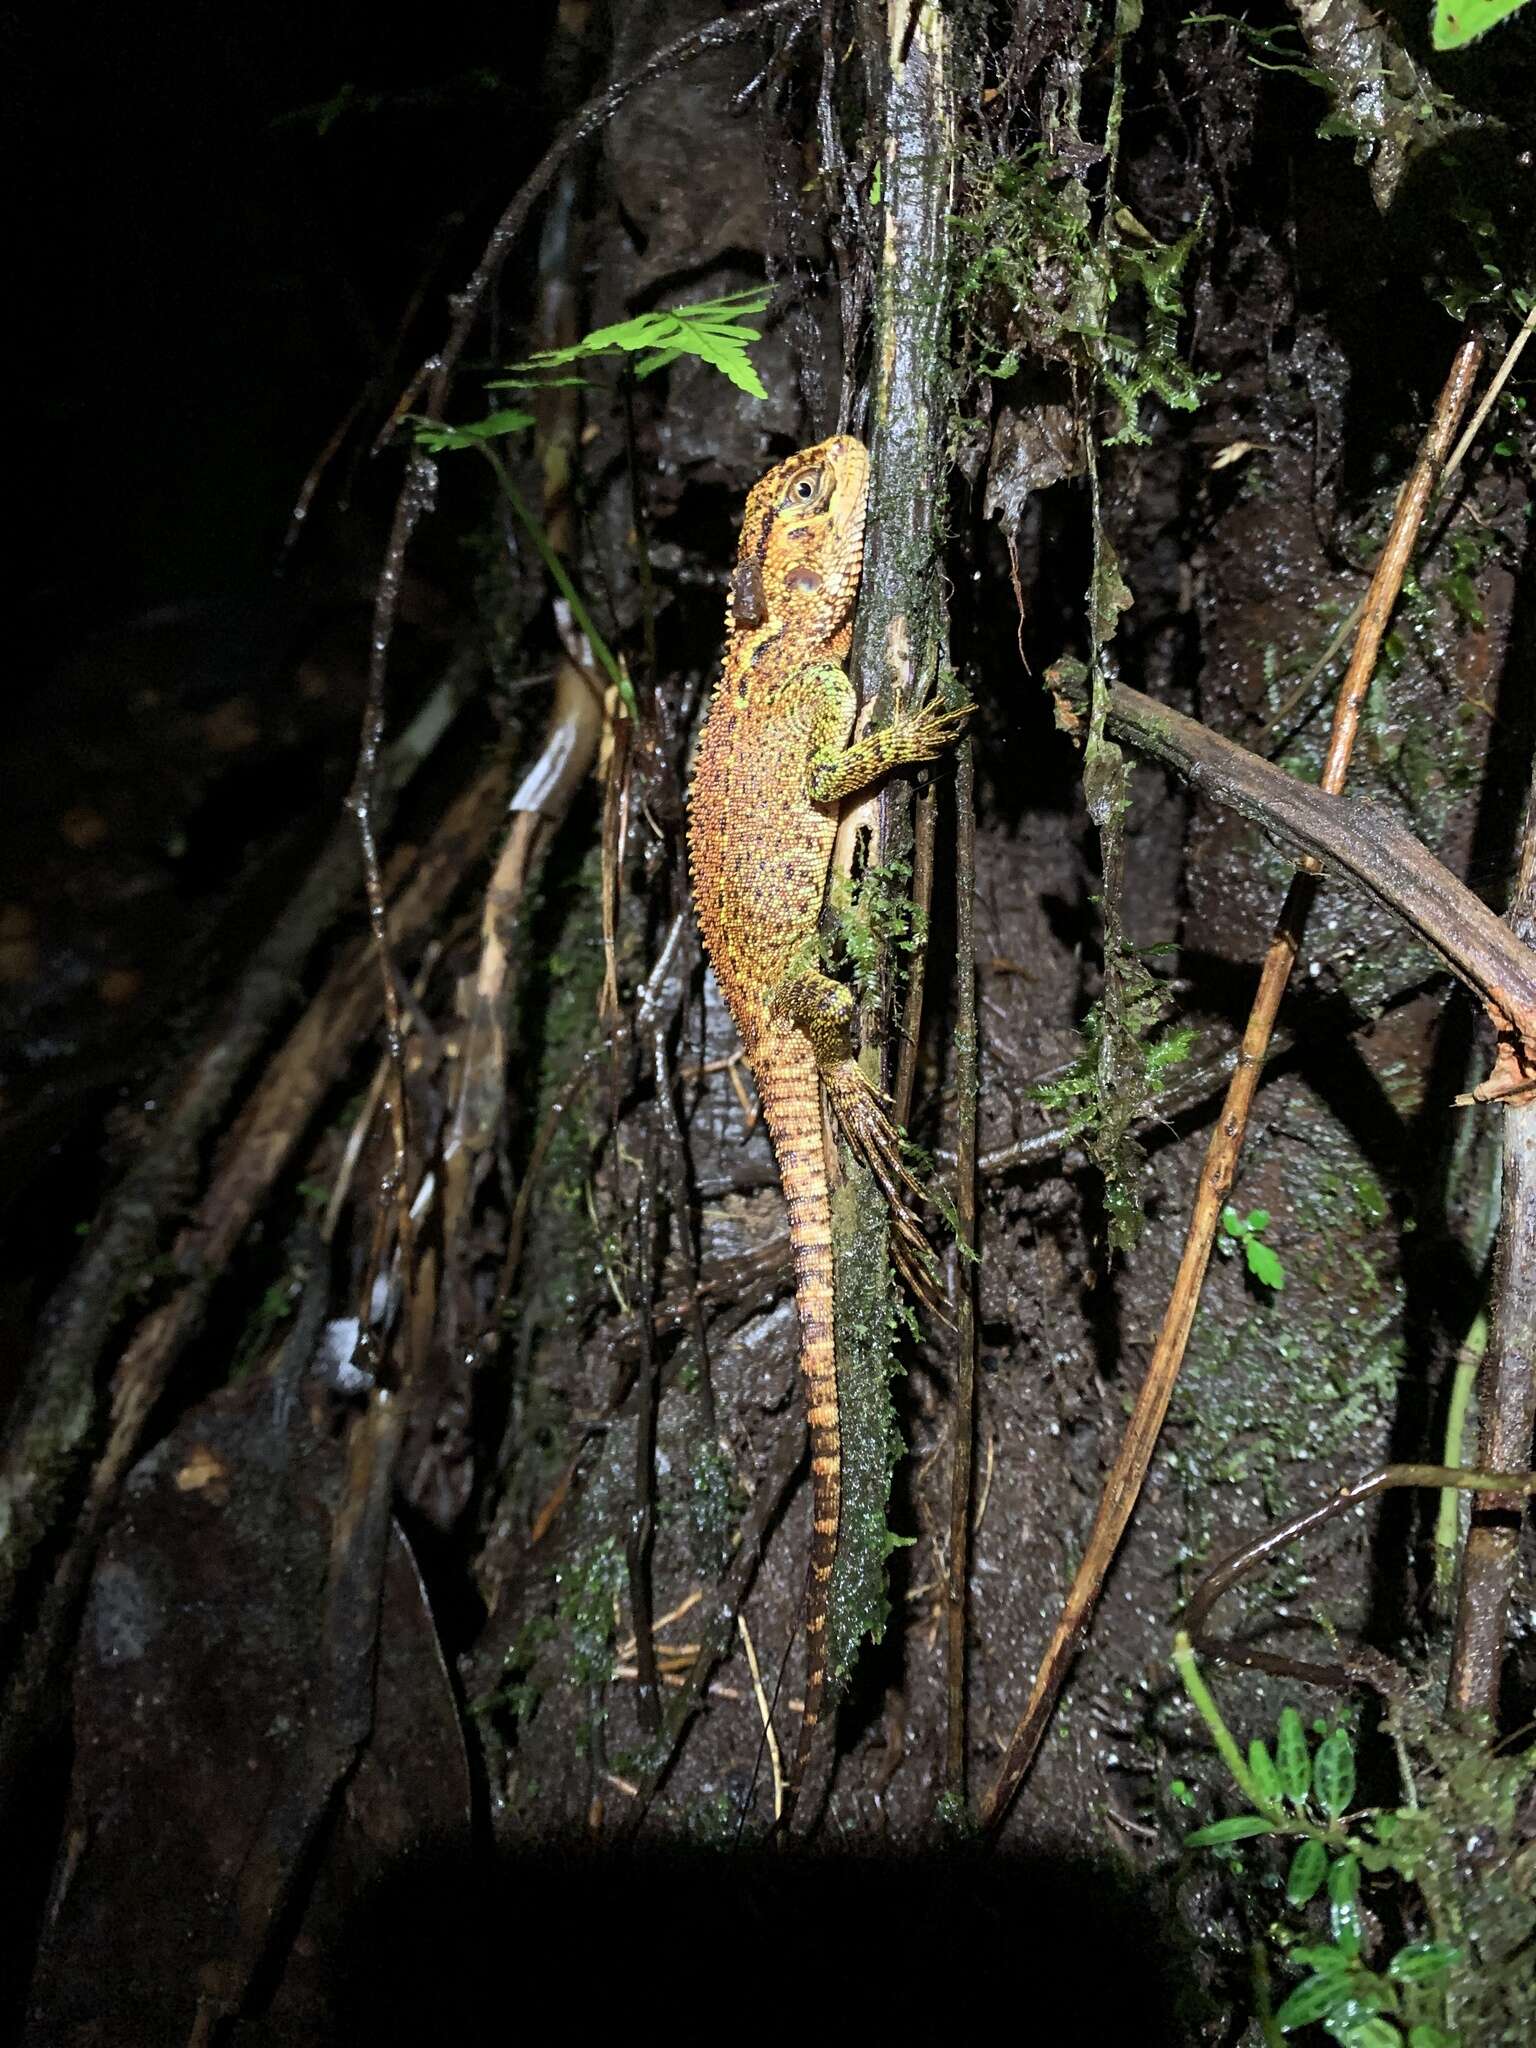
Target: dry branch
point(1363, 843)
point(963, 1412)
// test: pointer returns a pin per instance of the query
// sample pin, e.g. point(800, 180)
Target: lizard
point(774, 761)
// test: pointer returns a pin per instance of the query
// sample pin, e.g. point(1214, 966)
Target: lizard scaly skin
point(774, 762)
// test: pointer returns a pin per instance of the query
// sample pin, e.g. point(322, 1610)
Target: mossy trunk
point(898, 646)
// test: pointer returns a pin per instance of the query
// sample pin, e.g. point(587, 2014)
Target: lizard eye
point(805, 488)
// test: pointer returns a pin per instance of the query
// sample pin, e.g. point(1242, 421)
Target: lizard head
point(802, 542)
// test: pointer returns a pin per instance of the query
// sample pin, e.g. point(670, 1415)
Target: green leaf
point(1231, 1222)
point(1258, 1219)
point(1309, 1866)
point(1421, 1961)
point(1365, 2030)
point(1292, 1756)
point(1263, 1264)
point(1426, 2036)
point(1261, 1768)
point(1236, 1829)
point(1458, 22)
point(711, 329)
point(438, 439)
point(538, 383)
point(1321, 1956)
point(1333, 1773)
point(1313, 1998)
point(729, 359)
point(1344, 1915)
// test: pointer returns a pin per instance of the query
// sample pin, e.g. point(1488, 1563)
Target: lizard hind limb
point(875, 1139)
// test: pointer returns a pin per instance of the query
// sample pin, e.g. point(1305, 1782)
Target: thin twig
point(1226, 1574)
point(775, 1763)
point(396, 1189)
point(642, 1520)
point(924, 833)
point(1458, 455)
point(963, 1406)
point(1123, 1486)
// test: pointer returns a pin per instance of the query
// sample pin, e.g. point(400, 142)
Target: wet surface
point(192, 755)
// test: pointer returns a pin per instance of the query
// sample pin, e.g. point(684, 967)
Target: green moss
point(519, 1691)
point(1037, 279)
point(589, 1586)
point(560, 940)
point(716, 1499)
point(1267, 1396)
point(1117, 1078)
point(865, 1320)
point(873, 915)
point(712, 1820)
point(1468, 1848)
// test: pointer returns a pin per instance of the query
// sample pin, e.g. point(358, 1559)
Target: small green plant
point(1037, 278)
point(1134, 368)
point(438, 438)
point(872, 911)
point(1115, 1080)
point(711, 329)
point(519, 1692)
point(1248, 1231)
point(714, 330)
point(1513, 408)
point(1407, 1926)
point(1302, 1788)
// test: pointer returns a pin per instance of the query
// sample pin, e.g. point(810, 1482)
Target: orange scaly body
point(774, 762)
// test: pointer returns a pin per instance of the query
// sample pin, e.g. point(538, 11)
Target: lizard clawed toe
point(872, 1135)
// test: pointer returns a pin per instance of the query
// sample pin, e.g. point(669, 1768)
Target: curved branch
point(1364, 843)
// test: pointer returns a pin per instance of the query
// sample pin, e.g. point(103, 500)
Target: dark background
point(203, 284)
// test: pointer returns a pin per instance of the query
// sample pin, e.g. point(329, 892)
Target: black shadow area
point(758, 1940)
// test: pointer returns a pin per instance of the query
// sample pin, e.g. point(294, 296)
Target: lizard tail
point(790, 1090)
